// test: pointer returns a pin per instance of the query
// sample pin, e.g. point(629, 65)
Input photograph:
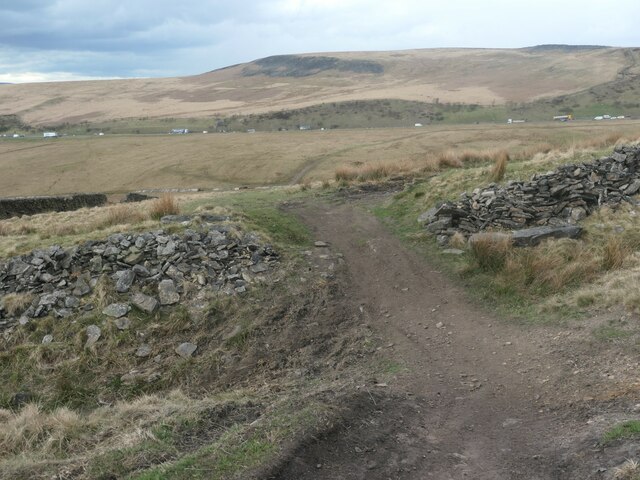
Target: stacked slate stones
point(554, 199)
point(62, 279)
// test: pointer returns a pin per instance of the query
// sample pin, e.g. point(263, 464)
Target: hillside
point(489, 77)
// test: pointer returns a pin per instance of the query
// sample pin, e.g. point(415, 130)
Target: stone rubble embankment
point(148, 270)
point(549, 202)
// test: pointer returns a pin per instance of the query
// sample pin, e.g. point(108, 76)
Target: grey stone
point(116, 310)
point(438, 225)
point(321, 244)
point(93, 335)
point(428, 216)
point(259, 268)
point(633, 188)
point(82, 287)
point(122, 323)
point(533, 236)
point(125, 281)
point(167, 249)
point(47, 339)
point(71, 302)
point(143, 350)
point(168, 293)
point(95, 264)
point(134, 258)
point(453, 251)
point(578, 214)
point(186, 349)
point(144, 302)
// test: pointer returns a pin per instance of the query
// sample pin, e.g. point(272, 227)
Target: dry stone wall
point(147, 270)
point(555, 199)
point(18, 206)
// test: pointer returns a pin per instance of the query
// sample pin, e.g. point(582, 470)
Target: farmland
point(120, 163)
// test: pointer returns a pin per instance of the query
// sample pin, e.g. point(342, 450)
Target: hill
point(486, 77)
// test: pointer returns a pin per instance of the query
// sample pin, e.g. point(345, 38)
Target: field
point(115, 163)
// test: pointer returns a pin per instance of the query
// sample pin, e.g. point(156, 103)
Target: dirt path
point(470, 400)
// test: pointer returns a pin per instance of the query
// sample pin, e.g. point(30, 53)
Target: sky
point(57, 40)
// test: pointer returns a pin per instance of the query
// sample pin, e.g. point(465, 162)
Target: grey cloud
point(169, 37)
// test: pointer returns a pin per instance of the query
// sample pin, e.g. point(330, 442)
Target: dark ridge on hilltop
point(299, 66)
point(563, 47)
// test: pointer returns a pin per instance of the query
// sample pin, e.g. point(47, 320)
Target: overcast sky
point(44, 40)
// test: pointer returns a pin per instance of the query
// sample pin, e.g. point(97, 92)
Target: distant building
point(49, 134)
point(418, 125)
point(563, 118)
point(179, 131)
point(305, 127)
point(251, 130)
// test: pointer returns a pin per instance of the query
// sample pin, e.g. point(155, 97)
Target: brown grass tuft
point(122, 215)
point(629, 470)
point(16, 303)
point(346, 174)
point(448, 159)
point(166, 204)
point(614, 253)
point(490, 251)
point(31, 429)
point(499, 166)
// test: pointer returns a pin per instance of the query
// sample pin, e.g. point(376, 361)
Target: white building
point(49, 134)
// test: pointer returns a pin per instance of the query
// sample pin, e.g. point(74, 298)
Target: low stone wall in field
point(18, 206)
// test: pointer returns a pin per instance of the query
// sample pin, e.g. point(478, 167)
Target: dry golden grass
point(490, 251)
point(16, 303)
point(629, 470)
point(29, 429)
point(122, 215)
point(499, 167)
point(614, 252)
point(220, 160)
point(371, 172)
point(166, 204)
point(39, 434)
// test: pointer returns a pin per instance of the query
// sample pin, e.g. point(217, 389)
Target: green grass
point(260, 211)
point(625, 430)
point(241, 448)
point(610, 333)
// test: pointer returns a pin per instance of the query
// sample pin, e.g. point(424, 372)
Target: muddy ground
point(476, 396)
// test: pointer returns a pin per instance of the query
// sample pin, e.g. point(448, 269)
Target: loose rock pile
point(558, 198)
point(61, 280)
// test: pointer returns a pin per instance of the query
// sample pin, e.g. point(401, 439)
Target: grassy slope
point(210, 416)
point(482, 76)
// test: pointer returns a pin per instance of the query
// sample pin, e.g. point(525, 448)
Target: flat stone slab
point(116, 310)
point(144, 302)
point(529, 237)
point(168, 293)
point(186, 349)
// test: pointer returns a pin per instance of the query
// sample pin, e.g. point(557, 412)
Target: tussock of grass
point(166, 204)
point(57, 432)
point(629, 470)
point(121, 215)
point(370, 173)
point(16, 303)
point(614, 252)
point(490, 252)
point(499, 167)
